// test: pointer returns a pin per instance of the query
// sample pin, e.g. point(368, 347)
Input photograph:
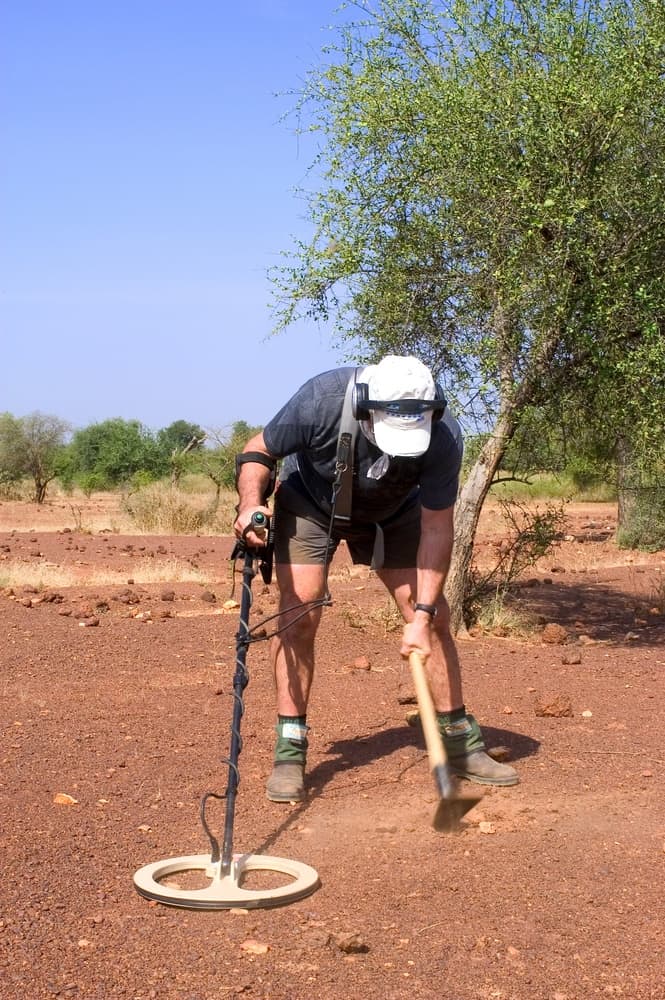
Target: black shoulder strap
point(346, 446)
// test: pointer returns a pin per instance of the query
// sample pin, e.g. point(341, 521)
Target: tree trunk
point(467, 514)
point(625, 485)
point(40, 489)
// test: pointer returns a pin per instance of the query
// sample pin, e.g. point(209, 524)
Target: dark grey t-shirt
point(305, 433)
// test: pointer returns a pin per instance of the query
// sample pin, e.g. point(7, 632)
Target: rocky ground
point(116, 667)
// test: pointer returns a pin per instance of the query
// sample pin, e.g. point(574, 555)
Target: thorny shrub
point(530, 535)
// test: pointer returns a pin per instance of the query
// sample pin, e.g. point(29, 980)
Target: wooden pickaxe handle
point(433, 741)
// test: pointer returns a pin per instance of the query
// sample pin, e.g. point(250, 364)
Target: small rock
point(252, 947)
point(507, 710)
point(89, 623)
point(360, 663)
point(62, 799)
point(208, 597)
point(554, 635)
point(351, 944)
point(631, 637)
point(167, 595)
point(571, 658)
point(230, 605)
point(486, 827)
point(586, 714)
point(405, 694)
point(559, 707)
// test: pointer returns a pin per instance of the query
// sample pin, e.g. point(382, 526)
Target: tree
point(491, 200)
point(178, 442)
point(218, 462)
point(32, 446)
point(115, 450)
point(180, 436)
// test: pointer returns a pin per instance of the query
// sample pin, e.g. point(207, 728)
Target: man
point(406, 452)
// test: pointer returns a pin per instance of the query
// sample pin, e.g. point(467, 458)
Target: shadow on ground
point(600, 611)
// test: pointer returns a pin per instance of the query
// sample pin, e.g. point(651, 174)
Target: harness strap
point(346, 447)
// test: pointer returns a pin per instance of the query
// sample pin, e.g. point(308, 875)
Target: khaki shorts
point(301, 533)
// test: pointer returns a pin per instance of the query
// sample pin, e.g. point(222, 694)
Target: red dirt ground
point(552, 890)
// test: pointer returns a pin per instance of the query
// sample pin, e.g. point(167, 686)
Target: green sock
point(460, 732)
point(291, 746)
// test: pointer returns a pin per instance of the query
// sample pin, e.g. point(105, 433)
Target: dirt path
point(552, 891)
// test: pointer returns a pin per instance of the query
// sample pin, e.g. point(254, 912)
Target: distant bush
point(10, 488)
point(91, 482)
point(167, 510)
point(644, 521)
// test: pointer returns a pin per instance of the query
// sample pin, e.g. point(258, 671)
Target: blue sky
point(146, 186)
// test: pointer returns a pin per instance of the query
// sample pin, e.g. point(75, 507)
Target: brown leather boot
point(478, 766)
point(287, 782)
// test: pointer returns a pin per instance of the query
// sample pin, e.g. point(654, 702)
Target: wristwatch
point(430, 609)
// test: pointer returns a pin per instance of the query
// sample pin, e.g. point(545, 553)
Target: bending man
point(405, 454)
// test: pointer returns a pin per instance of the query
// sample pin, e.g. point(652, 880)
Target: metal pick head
point(449, 812)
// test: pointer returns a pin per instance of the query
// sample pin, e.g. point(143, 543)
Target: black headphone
point(361, 404)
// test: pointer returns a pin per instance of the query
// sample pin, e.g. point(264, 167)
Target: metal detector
point(219, 876)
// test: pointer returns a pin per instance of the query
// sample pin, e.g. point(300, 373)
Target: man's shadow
point(346, 754)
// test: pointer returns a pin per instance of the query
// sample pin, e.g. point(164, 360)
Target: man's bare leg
point(292, 651)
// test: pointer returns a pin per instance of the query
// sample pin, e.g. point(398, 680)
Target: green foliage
point(644, 524)
point(91, 482)
point(551, 486)
point(642, 499)
point(180, 436)
point(179, 443)
point(12, 452)
point(116, 449)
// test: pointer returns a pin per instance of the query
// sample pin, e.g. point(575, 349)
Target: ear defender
point(362, 405)
point(441, 399)
point(359, 398)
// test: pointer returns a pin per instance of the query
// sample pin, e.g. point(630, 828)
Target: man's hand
point(244, 530)
point(416, 636)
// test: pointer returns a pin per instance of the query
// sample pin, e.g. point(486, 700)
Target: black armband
point(258, 458)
